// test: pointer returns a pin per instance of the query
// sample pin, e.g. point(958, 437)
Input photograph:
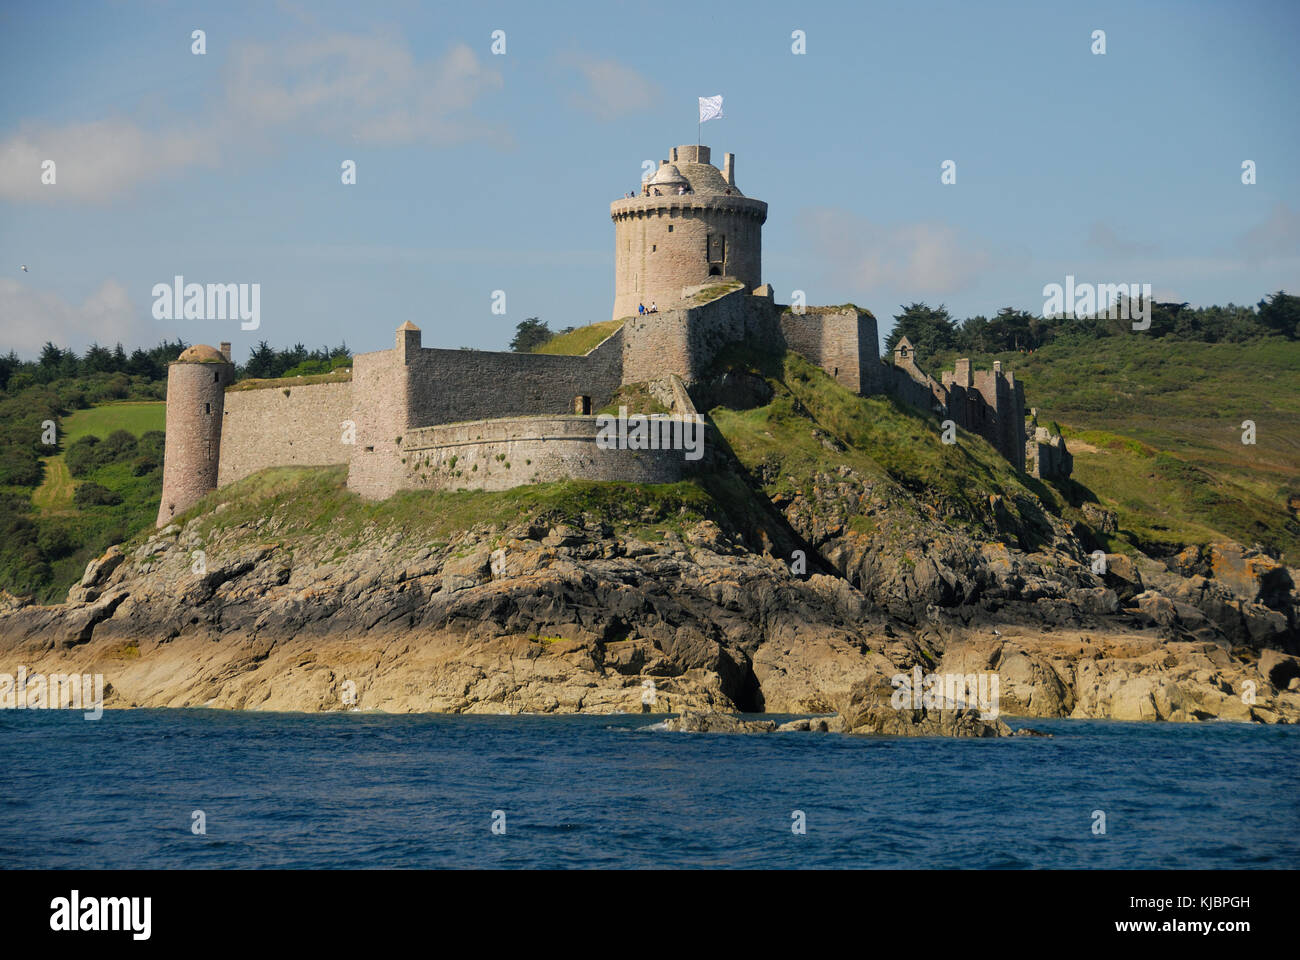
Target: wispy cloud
point(95, 160)
point(932, 259)
point(1104, 238)
point(1277, 237)
point(370, 89)
point(357, 88)
point(610, 89)
point(33, 316)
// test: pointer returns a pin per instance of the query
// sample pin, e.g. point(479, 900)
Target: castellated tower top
point(686, 224)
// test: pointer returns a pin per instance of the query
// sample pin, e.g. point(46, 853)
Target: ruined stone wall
point(1004, 424)
point(661, 244)
point(920, 394)
point(509, 452)
point(685, 341)
point(192, 449)
point(284, 425)
point(840, 340)
point(1047, 457)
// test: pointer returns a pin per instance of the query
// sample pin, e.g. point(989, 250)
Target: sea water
point(218, 789)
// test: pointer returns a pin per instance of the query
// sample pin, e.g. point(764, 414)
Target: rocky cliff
point(801, 577)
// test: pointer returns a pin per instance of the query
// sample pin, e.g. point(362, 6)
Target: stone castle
point(416, 417)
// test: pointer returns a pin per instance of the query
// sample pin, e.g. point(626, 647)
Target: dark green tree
point(1280, 313)
point(530, 334)
point(930, 329)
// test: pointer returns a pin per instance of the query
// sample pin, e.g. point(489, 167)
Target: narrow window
point(216, 376)
point(670, 228)
point(207, 408)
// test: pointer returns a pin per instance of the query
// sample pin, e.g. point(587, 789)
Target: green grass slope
point(1155, 426)
point(581, 340)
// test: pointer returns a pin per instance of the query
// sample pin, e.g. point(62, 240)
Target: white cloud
point(931, 259)
point(611, 89)
point(353, 87)
point(365, 88)
point(107, 316)
point(93, 160)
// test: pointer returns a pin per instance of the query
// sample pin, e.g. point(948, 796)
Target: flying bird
point(25, 268)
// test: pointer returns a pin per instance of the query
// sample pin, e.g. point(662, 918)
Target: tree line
point(933, 330)
point(58, 363)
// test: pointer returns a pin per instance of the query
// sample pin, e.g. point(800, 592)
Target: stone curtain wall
point(685, 341)
point(511, 452)
point(653, 262)
point(840, 340)
point(393, 396)
point(446, 386)
point(282, 426)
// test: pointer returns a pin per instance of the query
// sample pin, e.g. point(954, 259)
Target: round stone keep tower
point(196, 393)
point(689, 225)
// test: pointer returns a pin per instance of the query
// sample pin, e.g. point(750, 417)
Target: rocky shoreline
point(567, 618)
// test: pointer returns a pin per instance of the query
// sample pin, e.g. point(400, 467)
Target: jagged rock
point(813, 725)
point(1123, 577)
point(1101, 520)
point(9, 603)
point(717, 723)
point(1279, 669)
point(97, 574)
point(561, 617)
point(884, 720)
point(1251, 574)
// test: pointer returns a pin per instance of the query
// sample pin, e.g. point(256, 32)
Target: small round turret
point(196, 392)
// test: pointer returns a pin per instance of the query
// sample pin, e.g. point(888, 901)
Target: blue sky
point(478, 172)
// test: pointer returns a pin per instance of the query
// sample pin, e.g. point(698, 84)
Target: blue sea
point(373, 790)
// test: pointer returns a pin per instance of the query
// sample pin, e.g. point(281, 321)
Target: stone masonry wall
point(446, 386)
point(280, 426)
point(394, 395)
point(840, 340)
point(379, 409)
point(510, 452)
point(661, 246)
point(685, 341)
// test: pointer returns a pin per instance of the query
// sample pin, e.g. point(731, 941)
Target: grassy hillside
point(813, 425)
point(1156, 431)
point(53, 530)
point(580, 341)
point(54, 495)
point(314, 501)
point(135, 417)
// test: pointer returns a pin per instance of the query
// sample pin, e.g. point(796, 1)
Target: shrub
point(94, 495)
point(83, 456)
point(20, 467)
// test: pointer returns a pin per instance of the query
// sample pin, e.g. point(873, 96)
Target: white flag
point(710, 108)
